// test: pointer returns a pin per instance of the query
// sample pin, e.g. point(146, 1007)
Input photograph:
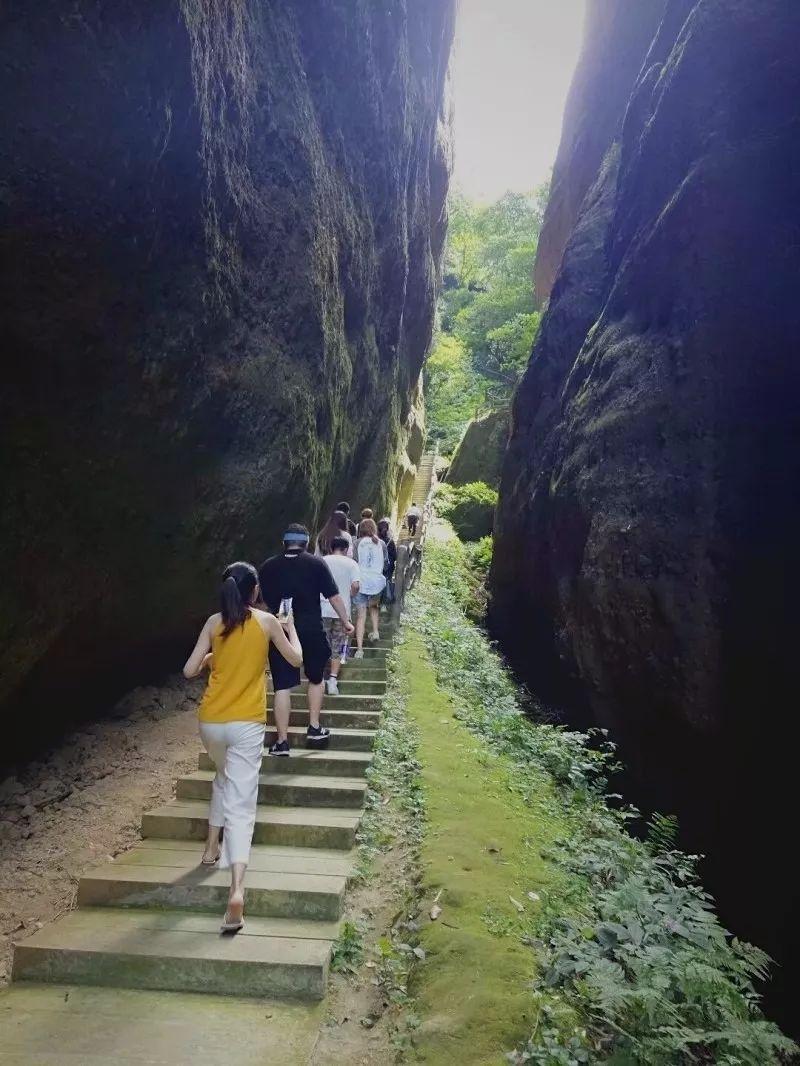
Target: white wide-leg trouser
point(236, 749)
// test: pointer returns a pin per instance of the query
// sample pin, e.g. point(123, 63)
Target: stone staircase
point(424, 479)
point(150, 918)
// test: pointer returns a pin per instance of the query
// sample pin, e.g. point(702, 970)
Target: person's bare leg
point(336, 665)
point(212, 843)
point(315, 703)
point(373, 617)
point(282, 704)
point(361, 618)
point(236, 896)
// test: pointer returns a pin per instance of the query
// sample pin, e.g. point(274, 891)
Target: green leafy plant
point(469, 508)
point(662, 832)
point(348, 951)
point(488, 318)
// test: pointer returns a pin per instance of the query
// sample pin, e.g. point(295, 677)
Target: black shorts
point(316, 652)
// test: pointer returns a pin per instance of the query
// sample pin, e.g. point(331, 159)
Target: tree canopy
point(487, 317)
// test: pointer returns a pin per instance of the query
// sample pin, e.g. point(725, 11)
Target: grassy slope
point(482, 847)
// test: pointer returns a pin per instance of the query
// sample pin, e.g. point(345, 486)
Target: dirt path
point(83, 802)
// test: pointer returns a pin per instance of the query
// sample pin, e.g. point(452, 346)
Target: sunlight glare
point(511, 69)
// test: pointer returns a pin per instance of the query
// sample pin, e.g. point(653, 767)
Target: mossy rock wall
point(479, 456)
point(645, 565)
point(222, 225)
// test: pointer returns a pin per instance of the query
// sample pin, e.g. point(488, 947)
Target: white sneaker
point(333, 686)
point(359, 654)
point(373, 636)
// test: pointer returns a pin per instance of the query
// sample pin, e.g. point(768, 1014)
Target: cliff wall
point(645, 567)
point(222, 225)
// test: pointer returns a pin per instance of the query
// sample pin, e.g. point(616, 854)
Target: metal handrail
point(408, 567)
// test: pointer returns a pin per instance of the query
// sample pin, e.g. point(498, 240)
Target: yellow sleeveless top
point(237, 687)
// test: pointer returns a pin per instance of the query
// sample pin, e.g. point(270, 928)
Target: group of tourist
point(300, 608)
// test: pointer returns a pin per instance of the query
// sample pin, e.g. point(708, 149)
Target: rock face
point(479, 456)
point(222, 224)
point(617, 35)
point(645, 568)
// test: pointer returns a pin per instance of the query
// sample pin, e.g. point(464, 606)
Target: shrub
point(470, 508)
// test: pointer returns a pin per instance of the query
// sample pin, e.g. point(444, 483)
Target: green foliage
point(469, 508)
point(487, 313)
point(392, 775)
point(348, 951)
point(452, 395)
point(478, 559)
point(662, 832)
point(509, 345)
point(479, 556)
point(634, 966)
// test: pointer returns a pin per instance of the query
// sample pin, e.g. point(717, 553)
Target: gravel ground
point(82, 803)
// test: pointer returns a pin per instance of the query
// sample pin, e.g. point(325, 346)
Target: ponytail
point(238, 584)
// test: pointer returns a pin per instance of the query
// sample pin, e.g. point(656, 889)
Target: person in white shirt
point(370, 555)
point(346, 574)
point(413, 515)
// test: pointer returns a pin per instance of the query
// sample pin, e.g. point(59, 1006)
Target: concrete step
point(306, 761)
point(85, 1025)
point(356, 670)
point(176, 951)
point(340, 739)
point(264, 857)
point(348, 686)
point(284, 886)
point(372, 702)
point(372, 655)
point(285, 790)
point(306, 827)
point(335, 719)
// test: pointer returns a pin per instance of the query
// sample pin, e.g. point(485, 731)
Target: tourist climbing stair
point(151, 917)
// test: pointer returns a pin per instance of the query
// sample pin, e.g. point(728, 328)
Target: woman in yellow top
point(234, 644)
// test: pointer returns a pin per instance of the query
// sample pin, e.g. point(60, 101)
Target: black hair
point(339, 544)
point(384, 529)
point(344, 506)
point(292, 545)
point(238, 584)
point(335, 525)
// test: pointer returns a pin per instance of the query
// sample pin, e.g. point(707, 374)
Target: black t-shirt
point(305, 578)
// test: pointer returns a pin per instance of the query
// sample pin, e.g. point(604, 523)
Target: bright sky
point(511, 69)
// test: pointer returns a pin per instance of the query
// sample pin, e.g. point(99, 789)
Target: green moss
point(482, 847)
point(479, 456)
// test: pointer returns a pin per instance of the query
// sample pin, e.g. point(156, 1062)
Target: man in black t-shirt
point(303, 578)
